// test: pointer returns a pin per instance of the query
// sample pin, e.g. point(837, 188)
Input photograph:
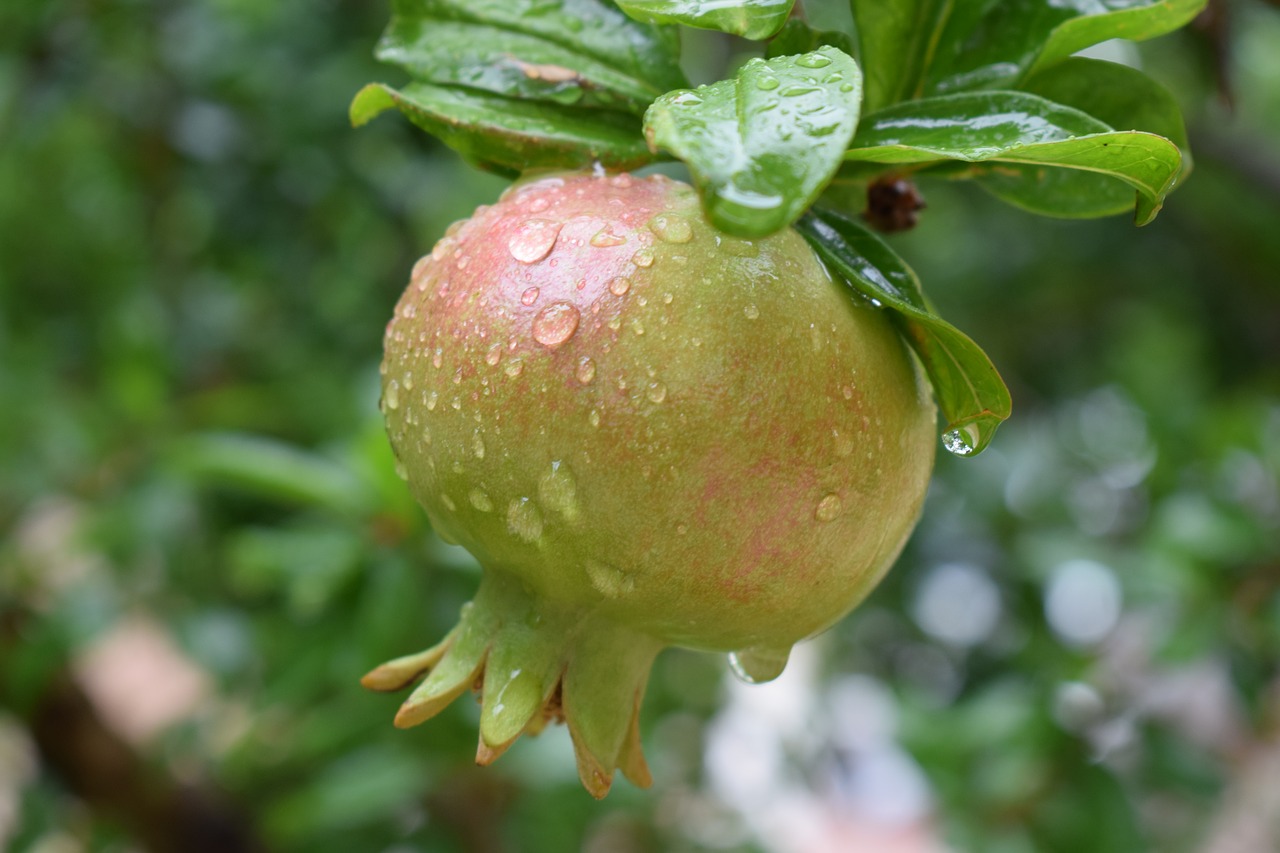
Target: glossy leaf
point(1122, 97)
point(896, 41)
point(1019, 128)
point(993, 43)
point(970, 393)
point(762, 145)
point(753, 19)
point(516, 84)
point(508, 135)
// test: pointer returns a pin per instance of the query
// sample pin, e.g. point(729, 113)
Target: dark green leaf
point(798, 37)
point(507, 135)
point(993, 43)
point(1120, 96)
point(1018, 128)
point(581, 52)
point(972, 396)
point(762, 145)
point(753, 19)
point(895, 43)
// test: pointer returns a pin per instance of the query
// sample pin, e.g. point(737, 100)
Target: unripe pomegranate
point(649, 434)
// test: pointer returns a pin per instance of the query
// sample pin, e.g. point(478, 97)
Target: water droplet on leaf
point(961, 441)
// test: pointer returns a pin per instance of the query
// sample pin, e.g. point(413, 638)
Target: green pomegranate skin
point(628, 415)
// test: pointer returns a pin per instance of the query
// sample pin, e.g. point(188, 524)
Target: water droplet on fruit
point(432, 399)
point(392, 395)
point(533, 240)
point(529, 297)
point(751, 312)
point(620, 285)
point(539, 204)
point(586, 370)
point(477, 445)
point(642, 258)
point(813, 60)
point(671, 227)
point(758, 665)
point(558, 491)
point(555, 324)
point(656, 392)
point(961, 441)
point(448, 502)
point(594, 418)
point(844, 444)
point(514, 367)
point(605, 238)
point(609, 581)
point(480, 500)
point(682, 529)
point(828, 508)
point(524, 520)
point(401, 471)
point(494, 355)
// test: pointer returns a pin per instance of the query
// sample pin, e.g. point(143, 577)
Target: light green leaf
point(507, 135)
point(1023, 129)
point(970, 393)
point(753, 19)
point(763, 145)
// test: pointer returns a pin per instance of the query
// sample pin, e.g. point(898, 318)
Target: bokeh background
point(203, 544)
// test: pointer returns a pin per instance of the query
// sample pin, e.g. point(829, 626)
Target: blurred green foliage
point(197, 257)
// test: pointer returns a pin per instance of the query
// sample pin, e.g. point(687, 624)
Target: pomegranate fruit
point(648, 433)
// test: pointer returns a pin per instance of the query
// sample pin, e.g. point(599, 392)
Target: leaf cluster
point(987, 91)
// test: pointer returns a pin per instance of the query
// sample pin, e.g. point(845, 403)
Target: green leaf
point(508, 135)
point(972, 396)
point(763, 145)
point(582, 52)
point(1019, 128)
point(896, 42)
point(273, 470)
point(1120, 96)
point(798, 37)
point(520, 84)
point(993, 43)
point(753, 19)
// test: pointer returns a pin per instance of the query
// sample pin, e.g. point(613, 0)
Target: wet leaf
point(497, 79)
point(1022, 129)
point(1120, 96)
point(992, 44)
point(972, 396)
point(753, 19)
point(507, 135)
point(763, 145)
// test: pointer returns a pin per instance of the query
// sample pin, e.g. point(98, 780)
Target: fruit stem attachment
point(531, 663)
